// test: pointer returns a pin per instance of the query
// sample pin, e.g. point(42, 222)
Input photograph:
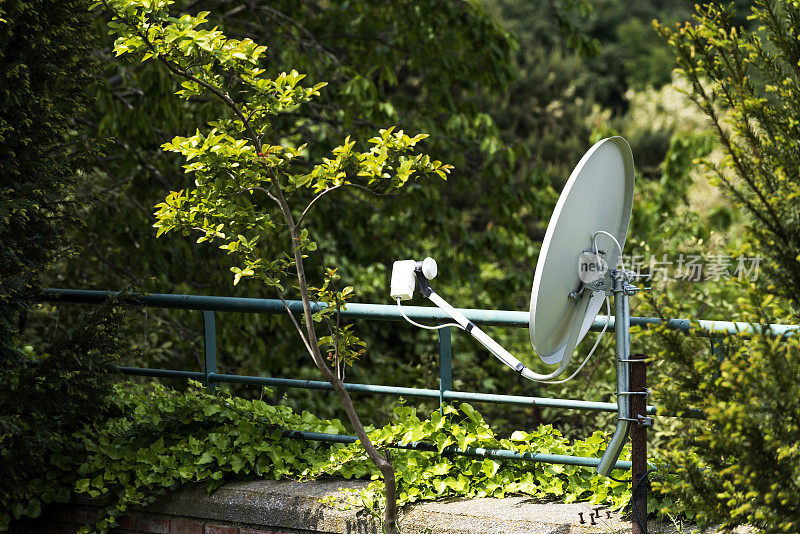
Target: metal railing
point(209, 305)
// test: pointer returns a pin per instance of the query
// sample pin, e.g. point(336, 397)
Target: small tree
point(249, 190)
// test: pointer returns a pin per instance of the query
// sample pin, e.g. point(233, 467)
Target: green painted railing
point(209, 375)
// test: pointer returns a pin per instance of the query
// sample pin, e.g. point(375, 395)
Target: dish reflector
point(597, 197)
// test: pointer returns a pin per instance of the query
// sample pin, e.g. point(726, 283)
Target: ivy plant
point(162, 438)
point(159, 439)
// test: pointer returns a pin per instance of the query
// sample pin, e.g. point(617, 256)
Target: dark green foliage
point(47, 394)
point(49, 390)
point(369, 87)
point(514, 143)
point(426, 67)
point(445, 69)
point(45, 64)
point(660, 200)
point(619, 48)
point(632, 56)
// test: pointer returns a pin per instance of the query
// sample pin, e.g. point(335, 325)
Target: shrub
point(745, 466)
point(47, 395)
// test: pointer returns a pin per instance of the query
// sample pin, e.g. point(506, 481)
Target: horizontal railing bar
point(548, 402)
point(500, 454)
point(384, 390)
point(388, 312)
point(162, 373)
point(421, 392)
point(322, 385)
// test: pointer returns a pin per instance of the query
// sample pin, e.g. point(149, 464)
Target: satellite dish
point(576, 272)
point(598, 197)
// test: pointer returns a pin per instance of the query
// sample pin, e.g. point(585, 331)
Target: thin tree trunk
point(383, 465)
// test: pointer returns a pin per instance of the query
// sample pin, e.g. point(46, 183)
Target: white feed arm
point(500, 353)
point(406, 272)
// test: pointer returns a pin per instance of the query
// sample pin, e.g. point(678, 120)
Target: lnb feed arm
point(406, 272)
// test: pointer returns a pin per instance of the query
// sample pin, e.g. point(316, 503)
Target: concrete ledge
point(295, 505)
point(271, 504)
point(291, 507)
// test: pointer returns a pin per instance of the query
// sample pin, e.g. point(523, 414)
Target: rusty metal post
point(639, 442)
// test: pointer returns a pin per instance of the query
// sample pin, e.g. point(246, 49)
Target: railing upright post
point(445, 364)
point(210, 347)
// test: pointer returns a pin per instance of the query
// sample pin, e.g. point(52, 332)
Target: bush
point(45, 66)
point(740, 465)
point(49, 391)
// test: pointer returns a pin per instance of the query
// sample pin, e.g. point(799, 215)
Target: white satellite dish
point(592, 214)
point(597, 197)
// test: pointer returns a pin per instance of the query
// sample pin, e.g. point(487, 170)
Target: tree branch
point(320, 195)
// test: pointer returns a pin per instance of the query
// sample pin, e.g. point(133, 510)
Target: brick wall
point(67, 519)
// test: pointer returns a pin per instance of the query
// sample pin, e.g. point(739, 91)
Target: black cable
point(639, 492)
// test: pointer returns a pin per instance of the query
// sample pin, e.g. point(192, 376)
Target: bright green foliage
point(447, 69)
point(161, 438)
point(431, 475)
point(217, 156)
point(424, 66)
point(746, 466)
point(246, 182)
point(740, 465)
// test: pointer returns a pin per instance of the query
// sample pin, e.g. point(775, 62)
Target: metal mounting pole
point(622, 350)
point(445, 365)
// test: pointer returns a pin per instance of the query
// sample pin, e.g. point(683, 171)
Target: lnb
point(404, 274)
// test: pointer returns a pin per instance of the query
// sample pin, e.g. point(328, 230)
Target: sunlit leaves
point(747, 83)
point(726, 465)
point(163, 438)
point(389, 163)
